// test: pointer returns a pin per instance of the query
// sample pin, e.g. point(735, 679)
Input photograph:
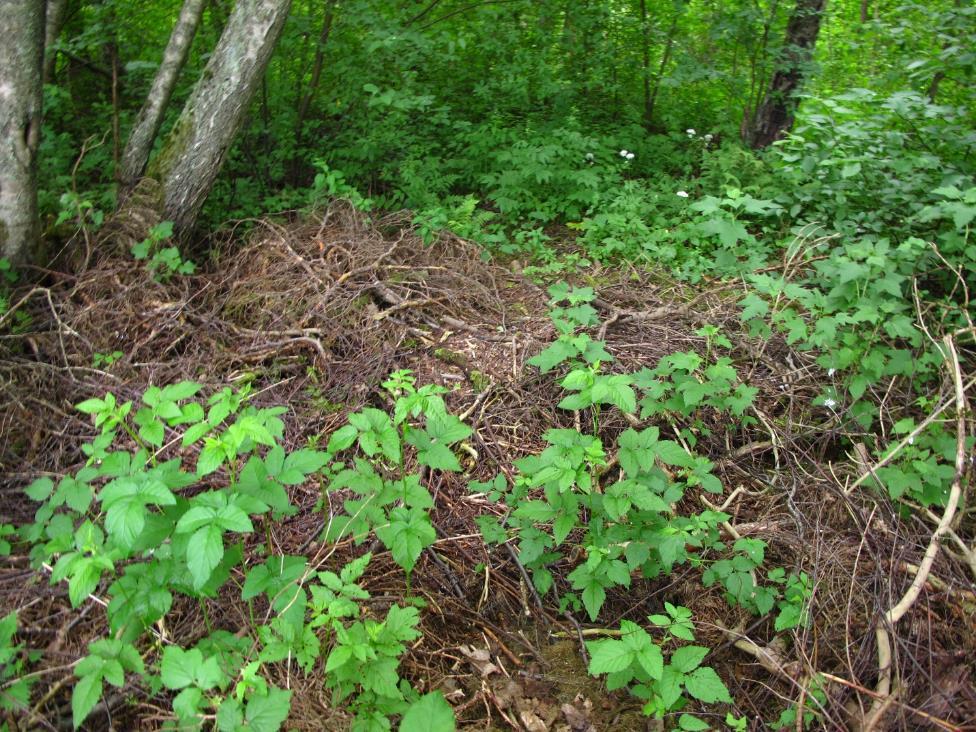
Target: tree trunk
point(195, 149)
point(775, 114)
point(144, 132)
point(21, 64)
point(52, 30)
point(646, 64)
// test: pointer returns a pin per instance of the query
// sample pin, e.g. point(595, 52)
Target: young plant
point(163, 262)
point(636, 661)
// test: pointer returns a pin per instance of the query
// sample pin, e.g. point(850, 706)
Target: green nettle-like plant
point(391, 501)
point(152, 529)
point(629, 496)
point(163, 262)
point(635, 661)
point(15, 684)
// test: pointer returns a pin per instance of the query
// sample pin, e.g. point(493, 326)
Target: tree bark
point(52, 30)
point(775, 114)
point(21, 66)
point(195, 149)
point(147, 124)
point(646, 63)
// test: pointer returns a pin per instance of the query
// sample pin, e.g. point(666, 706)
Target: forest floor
point(317, 314)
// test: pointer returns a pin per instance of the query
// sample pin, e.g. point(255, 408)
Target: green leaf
point(408, 533)
point(40, 489)
point(692, 724)
point(553, 355)
point(266, 713)
point(84, 697)
point(789, 617)
point(593, 597)
point(615, 390)
point(342, 438)
point(608, 656)
point(179, 667)
point(705, 685)
point(203, 553)
point(687, 658)
point(430, 713)
point(672, 453)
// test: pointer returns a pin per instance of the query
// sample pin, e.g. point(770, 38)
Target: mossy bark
point(150, 117)
point(194, 151)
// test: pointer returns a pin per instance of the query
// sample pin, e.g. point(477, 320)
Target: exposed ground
point(318, 314)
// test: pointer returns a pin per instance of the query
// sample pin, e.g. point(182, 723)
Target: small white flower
point(830, 403)
point(682, 194)
point(831, 372)
point(911, 440)
point(589, 156)
point(623, 153)
point(691, 132)
point(630, 156)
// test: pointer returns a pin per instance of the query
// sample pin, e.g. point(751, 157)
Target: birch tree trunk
point(775, 114)
point(146, 127)
point(196, 147)
point(21, 63)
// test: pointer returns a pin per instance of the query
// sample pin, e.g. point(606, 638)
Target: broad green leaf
point(84, 697)
point(608, 656)
point(692, 724)
point(40, 489)
point(179, 667)
point(266, 713)
point(687, 658)
point(203, 553)
point(705, 685)
point(430, 713)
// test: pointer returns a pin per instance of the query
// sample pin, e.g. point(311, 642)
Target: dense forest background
point(436, 364)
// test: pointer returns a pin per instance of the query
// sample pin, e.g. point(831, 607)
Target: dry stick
point(925, 715)
point(884, 696)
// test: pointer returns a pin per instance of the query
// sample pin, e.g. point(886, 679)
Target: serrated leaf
point(40, 489)
point(705, 685)
point(266, 713)
point(342, 438)
point(204, 551)
point(672, 453)
point(554, 354)
point(692, 724)
point(687, 658)
point(430, 713)
point(608, 656)
point(84, 697)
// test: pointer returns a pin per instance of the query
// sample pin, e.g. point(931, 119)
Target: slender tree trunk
point(150, 117)
point(195, 149)
point(21, 66)
point(775, 114)
point(319, 63)
point(665, 60)
point(646, 62)
point(52, 31)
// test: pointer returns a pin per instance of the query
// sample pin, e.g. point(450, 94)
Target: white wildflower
point(623, 153)
point(831, 372)
point(589, 157)
point(630, 156)
point(691, 132)
point(911, 440)
point(830, 403)
point(709, 137)
point(682, 194)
